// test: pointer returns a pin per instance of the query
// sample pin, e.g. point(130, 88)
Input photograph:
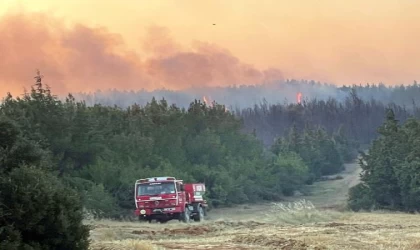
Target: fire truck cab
point(166, 198)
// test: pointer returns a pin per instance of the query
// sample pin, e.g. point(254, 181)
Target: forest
point(271, 109)
point(101, 150)
point(358, 119)
point(89, 156)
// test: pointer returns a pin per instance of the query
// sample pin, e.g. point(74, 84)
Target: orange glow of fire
point(299, 97)
point(207, 102)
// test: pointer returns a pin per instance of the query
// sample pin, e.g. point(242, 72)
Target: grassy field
point(315, 221)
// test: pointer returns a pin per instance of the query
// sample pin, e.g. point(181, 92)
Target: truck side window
point(178, 187)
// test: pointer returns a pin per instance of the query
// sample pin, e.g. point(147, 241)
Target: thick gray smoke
point(232, 97)
point(246, 96)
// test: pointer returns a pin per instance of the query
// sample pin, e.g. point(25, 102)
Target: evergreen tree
point(36, 210)
point(389, 179)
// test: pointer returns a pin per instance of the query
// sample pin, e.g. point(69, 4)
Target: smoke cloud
point(79, 58)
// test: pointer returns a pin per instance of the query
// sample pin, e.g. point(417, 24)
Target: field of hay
point(315, 221)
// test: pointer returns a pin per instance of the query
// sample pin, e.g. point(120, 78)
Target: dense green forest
point(390, 177)
point(101, 150)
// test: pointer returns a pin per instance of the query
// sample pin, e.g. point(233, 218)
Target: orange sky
point(83, 45)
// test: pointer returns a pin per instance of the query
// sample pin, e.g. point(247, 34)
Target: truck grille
point(159, 204)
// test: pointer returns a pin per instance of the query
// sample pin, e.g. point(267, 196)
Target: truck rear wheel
point(200, 214)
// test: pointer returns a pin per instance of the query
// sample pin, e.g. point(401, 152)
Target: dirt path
point(334, 193)
point(331, 194)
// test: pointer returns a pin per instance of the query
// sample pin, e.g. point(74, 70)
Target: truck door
point(181, 194)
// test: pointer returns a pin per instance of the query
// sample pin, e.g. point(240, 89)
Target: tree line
point(275, 92)
point(357, 118)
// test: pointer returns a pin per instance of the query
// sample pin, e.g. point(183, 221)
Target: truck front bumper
point(151, 211)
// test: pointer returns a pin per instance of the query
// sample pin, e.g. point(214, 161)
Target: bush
point(39, 212)
point(96, 200)
point(288, 173)
point(360, 198)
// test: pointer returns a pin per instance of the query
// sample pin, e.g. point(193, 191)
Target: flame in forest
point(207, 102)
point(299, 97)
point(210, 103)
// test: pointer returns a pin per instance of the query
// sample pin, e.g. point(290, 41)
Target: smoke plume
point(78, 58)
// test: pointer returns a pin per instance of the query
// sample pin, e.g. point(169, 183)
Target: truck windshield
point(156, 188)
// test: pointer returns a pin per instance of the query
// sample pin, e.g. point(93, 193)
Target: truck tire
point(142, 219)
point(163, 221)
point(185, 216)
point(200, 214)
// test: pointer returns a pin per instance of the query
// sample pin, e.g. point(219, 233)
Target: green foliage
point(346, 147)
point(322, 153)
point(288, 173)
point(360, 198)
point(101, 151)
point(96, 200)
point(391, 166)
point(15, 150)
point(38, 212)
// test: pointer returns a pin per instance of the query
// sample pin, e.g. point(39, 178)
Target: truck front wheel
point(185, 216)
point(144, 219)
point(163, 221)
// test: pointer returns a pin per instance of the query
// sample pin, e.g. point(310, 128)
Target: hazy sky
point(83, 45)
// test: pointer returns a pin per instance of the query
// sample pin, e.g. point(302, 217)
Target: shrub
point(39, 212)
point(360, 198)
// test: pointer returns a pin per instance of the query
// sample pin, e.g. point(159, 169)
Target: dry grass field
point(317, 221)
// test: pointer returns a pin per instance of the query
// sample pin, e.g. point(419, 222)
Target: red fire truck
point(166, 198)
